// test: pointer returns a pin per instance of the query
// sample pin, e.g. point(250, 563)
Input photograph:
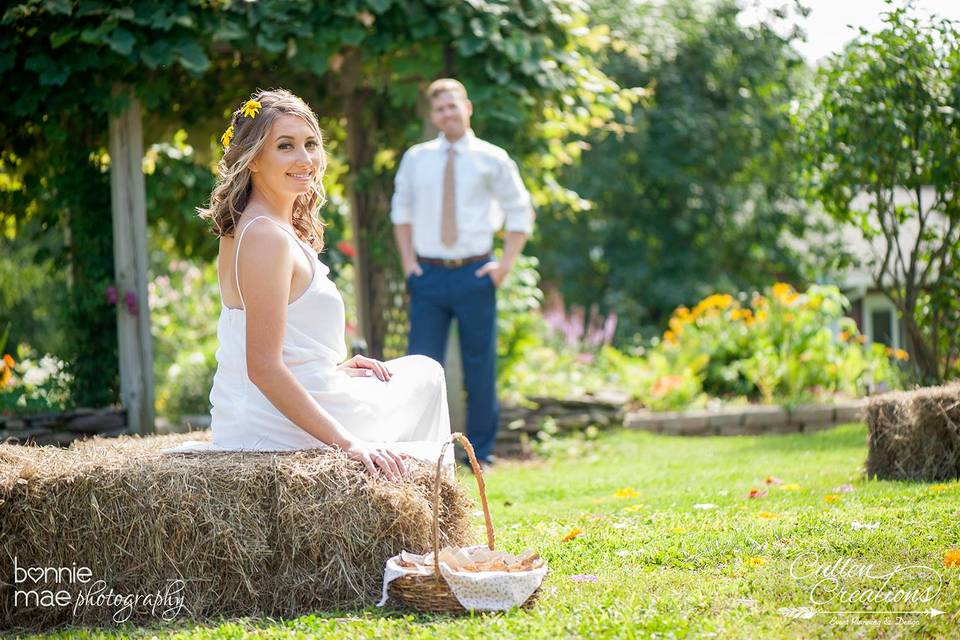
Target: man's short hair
point(444, 85)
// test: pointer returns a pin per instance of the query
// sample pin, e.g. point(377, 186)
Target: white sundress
point(409, 411)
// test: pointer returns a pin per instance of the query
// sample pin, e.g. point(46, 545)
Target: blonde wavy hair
point(234, 184)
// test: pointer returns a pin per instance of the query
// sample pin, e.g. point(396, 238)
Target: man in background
point(452, 194)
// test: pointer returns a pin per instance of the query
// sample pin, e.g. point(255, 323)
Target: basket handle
point(478, 474)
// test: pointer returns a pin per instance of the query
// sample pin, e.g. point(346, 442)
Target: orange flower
point(772, 480)
point(665, 385)
point(831, 497)
point(756, 493)
point(952, 558)
point(844, 335)
point(9, 361)
point(573, 533)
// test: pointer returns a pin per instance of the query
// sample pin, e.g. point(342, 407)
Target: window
point(880, 321)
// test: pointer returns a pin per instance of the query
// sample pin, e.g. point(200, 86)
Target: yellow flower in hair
point(227, 137)
point(251, 108)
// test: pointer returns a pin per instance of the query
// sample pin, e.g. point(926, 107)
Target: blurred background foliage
point(667, 147)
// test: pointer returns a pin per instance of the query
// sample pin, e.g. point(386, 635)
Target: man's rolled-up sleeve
point(513, 198)
point(401, 205)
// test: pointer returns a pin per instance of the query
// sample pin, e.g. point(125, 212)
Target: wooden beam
point(129, 207)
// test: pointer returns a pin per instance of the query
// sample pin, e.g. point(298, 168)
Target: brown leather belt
point(454, 262)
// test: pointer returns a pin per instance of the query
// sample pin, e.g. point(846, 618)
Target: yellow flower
point(831, 497)
point(761, 315)
point(626, 492)
point(251, 108)
point(682, 313)
point(678, 530)
point(952, 558)
point(5, 376)
point(767, 515)
point(669, 337)
point(756, 562)
point(227, 137)
point(844, 335)
point(790, 487)
point(938, 487)
point(633, 507)
point(784, 293)
point(900, 354)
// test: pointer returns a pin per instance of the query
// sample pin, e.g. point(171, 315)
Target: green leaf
point(159, 53)
point(62, 36)
point(58, 7)
point(379, 6)
point(352, 36)
point(121, 41)
point(470, 45)
point(192, 57)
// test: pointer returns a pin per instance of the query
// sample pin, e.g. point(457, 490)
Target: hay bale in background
point(255, 534)
point(915, 435)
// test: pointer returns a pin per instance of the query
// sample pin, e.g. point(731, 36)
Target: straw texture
point(249, 534)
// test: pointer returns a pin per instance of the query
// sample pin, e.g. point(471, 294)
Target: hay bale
point(252, 534)
point(914, 435)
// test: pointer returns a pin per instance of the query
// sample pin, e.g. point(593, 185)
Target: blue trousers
point(436, 297)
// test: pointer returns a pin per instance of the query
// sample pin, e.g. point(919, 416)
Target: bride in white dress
point(283, 380)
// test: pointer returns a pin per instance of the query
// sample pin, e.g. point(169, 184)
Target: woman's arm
point(265, 272)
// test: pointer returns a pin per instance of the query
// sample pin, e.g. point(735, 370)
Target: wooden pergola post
point(128, 204)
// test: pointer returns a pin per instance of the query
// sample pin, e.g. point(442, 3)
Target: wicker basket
point(430, 593)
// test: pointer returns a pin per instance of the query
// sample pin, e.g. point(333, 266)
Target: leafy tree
point(694, 191)
point(888, 120)
point(360, 63)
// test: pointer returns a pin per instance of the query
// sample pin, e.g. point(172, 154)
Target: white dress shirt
point(488, 192)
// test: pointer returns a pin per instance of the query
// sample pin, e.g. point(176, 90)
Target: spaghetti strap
point(236, 258)
point(236, 254)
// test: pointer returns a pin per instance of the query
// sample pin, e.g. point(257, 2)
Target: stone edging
point(748, 420)
point(63, 428)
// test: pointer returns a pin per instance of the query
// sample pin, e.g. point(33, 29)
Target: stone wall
point(519, 424)
point(63, 428)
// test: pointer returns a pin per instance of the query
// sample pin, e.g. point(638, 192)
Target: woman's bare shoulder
point(263, 238)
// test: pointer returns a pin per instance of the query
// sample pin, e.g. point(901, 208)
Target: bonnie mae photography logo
point(854, 591)
point(75, 587)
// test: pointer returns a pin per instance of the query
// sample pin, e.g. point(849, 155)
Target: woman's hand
point(361, 366)
point(377, 459)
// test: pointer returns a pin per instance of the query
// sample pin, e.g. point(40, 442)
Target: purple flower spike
point(111, 295)
point(130, 299)
point(584, 577)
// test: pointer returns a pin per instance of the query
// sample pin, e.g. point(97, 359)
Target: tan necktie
point(448, 229)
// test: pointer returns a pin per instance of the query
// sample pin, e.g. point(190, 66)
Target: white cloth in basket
point(478, 591)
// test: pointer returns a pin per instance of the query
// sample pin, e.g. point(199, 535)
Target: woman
point(283, 381)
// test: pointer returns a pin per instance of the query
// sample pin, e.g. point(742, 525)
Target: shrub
point(785, 346)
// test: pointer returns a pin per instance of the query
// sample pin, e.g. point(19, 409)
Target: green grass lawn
point(679, 550)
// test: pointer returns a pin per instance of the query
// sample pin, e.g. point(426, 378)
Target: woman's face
point(290, 159)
